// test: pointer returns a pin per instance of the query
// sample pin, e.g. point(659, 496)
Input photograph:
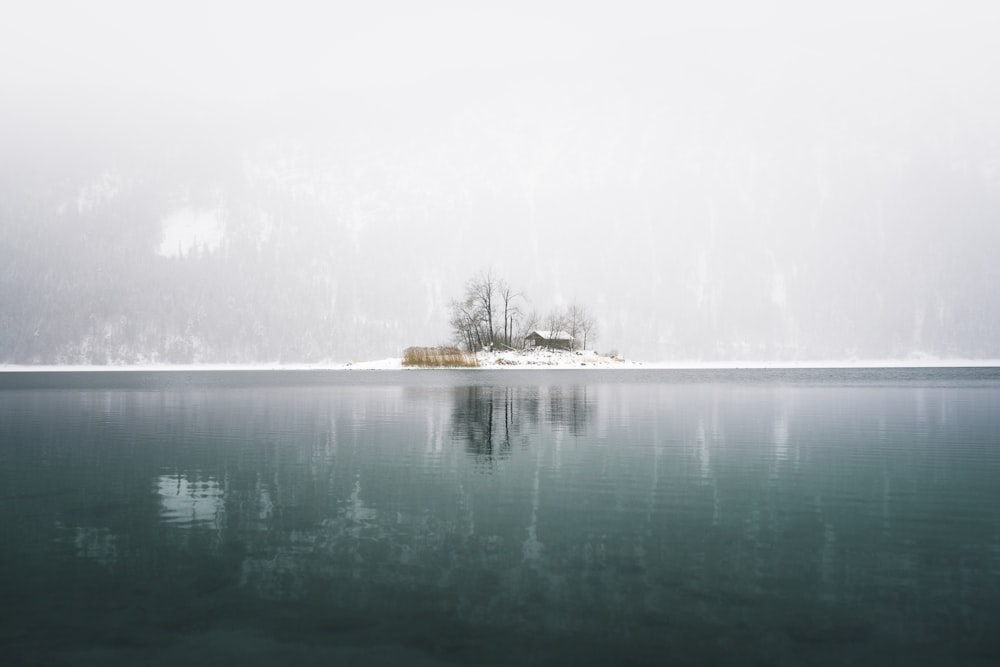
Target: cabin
point(552, 340)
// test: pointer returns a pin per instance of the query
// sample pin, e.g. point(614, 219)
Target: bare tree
point(480, 295)
point(580, 325)
point(588, 327)
point(511, 312)
point(490, 313)
point(556, 322)
point(572, 318)
point(473, 319)
point(465, 325)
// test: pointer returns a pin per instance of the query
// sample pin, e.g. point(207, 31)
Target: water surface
point(501, 518)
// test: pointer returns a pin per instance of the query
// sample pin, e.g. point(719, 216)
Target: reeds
point(438, 357)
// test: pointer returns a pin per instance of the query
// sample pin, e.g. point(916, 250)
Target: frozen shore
point(514, 360)
point(519, 359)
point(588, 359)
point(552, 358)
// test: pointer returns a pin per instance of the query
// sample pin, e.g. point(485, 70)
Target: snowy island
point(443, 357)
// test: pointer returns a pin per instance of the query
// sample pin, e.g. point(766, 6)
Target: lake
point(481, 517)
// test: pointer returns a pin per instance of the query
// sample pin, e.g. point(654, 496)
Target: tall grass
point(435, 357)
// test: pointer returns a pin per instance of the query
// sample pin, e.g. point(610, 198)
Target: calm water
point(501, 518)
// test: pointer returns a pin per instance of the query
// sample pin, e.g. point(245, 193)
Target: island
point(492, 327)
point(531, 357)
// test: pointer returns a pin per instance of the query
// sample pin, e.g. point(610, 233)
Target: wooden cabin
point(552, 340)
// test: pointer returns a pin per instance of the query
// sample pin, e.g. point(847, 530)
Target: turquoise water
point(501, 518)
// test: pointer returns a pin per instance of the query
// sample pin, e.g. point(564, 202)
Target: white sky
point(687, 129)
point(247, 50)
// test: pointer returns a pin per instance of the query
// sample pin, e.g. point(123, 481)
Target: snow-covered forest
point(743, 187)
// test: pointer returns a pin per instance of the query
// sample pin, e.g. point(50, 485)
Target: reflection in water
point(489, 420)
point(532, 547)
point(190, 501)
point(97, 544)
point(483, 418)
point(617, 521)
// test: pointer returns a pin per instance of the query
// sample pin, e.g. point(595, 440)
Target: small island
point(492, 327)
point(537, 357)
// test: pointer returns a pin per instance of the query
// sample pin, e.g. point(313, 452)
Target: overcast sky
point(234, 53)
point(691, 135)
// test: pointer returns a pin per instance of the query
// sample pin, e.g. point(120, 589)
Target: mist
point(254, 183)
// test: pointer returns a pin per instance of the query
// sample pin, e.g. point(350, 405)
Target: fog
point(301, 182)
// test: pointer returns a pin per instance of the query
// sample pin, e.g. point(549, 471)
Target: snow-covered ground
point(520, 359)
point(584, 359)
point(510, 359)
point(581, 359)
point(551, 359)
point(922, 362)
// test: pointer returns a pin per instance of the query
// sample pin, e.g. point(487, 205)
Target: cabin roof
point(552, 335)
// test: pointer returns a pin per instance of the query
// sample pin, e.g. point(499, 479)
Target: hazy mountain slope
point(709, 194)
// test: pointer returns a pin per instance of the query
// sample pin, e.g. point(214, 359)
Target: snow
point(535, 358)
point(100, 192)
point(922, 362)
point(187, 229)
point(514, 360)
point(529, 359)
point(540, 357)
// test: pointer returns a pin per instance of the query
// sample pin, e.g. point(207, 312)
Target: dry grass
point(436, 357)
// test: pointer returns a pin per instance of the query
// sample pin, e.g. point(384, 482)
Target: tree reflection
point(615, 507)
point(484, 418)
point(490, 420)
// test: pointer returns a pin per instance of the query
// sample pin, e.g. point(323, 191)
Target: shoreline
point(514, 361)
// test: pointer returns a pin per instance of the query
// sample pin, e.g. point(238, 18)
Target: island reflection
point(618, 511)
point(491, 420)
